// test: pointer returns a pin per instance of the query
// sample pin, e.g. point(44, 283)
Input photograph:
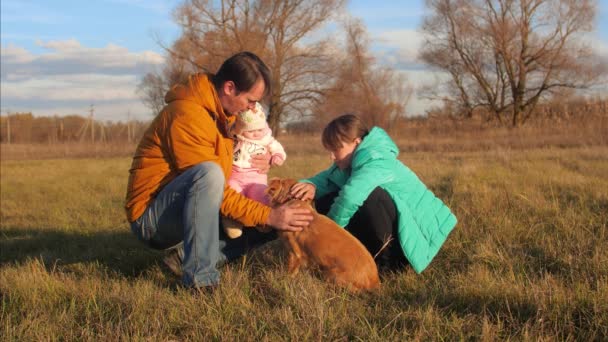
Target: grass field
point(527, 261)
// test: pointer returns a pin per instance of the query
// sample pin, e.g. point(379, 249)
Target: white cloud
point(70, 76)
point(403, 39)
point(375, 13)
point(418, 79)
point(599, 46)
point(70, 57)
point(15, 54)
point(111, 56)
point(398, 48)
point(83, 87)
point(60, 45)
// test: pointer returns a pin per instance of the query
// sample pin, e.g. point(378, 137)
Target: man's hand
point(261, 162)
point(303, 191)
point(289, 218)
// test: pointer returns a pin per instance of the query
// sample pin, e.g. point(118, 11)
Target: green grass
point(527, 261)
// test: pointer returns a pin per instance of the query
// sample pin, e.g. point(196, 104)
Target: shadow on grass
point(118, 251)
point(505, 306)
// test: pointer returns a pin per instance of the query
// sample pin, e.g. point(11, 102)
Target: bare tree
point(151, 89)
point(378, 94)
point(279, 31)
point(506, 55)
point(154, 85)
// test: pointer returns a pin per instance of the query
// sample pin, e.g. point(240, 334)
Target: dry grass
point(69, 150)
point(527, 261)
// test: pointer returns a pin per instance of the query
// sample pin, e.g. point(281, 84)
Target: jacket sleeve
point(321, 182)
point(247, 211)
point(276, 149)
point(356, 190)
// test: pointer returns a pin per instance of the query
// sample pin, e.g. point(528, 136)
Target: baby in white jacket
point(252, 136)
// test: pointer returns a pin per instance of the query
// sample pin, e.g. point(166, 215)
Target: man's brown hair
point(244, 69)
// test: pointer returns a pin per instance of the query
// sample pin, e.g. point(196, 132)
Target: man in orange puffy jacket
point(178, 178)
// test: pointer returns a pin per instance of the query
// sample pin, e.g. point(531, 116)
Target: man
point(178, 178)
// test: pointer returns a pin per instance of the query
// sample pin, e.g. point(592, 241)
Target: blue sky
point(59, 57)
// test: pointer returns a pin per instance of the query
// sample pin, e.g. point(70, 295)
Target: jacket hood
point(200, 90)
point(376, 145)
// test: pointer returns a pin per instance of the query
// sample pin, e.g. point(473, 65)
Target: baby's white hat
point(251, 119)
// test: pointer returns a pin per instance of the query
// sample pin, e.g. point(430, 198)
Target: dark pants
point(373, 224)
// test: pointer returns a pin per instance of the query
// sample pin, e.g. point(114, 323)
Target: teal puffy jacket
point(424, 220)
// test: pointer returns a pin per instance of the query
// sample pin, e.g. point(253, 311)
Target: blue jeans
point(187, 209)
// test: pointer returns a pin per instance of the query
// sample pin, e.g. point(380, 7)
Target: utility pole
point(102, 132)
point(61, 133)
point(91, 111)
point(8, 127)
point(129, 126)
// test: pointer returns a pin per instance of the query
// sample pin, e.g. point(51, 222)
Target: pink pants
point(250, 183)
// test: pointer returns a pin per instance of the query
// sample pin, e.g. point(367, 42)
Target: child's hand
point(276, 160)
point(303, 191)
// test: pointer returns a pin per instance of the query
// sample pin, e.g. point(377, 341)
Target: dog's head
point(278, 190)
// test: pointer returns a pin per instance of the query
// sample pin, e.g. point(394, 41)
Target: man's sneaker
point(173, 260)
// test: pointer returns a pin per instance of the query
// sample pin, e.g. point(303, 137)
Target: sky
point(60, 57)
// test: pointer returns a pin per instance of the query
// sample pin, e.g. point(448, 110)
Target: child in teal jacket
point(374, 196)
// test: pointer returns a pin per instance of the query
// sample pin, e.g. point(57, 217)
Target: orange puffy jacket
point(190, 129)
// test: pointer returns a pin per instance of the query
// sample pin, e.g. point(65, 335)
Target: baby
point(252, 136)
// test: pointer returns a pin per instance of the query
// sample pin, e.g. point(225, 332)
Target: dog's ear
point(273, 181)
point(273, 188)
point(286, 184)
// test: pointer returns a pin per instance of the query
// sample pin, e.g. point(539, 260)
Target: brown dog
point(341, 257)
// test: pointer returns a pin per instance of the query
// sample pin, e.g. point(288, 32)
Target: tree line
point(27, 128)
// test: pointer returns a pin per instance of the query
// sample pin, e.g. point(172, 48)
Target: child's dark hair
point(345, 128)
